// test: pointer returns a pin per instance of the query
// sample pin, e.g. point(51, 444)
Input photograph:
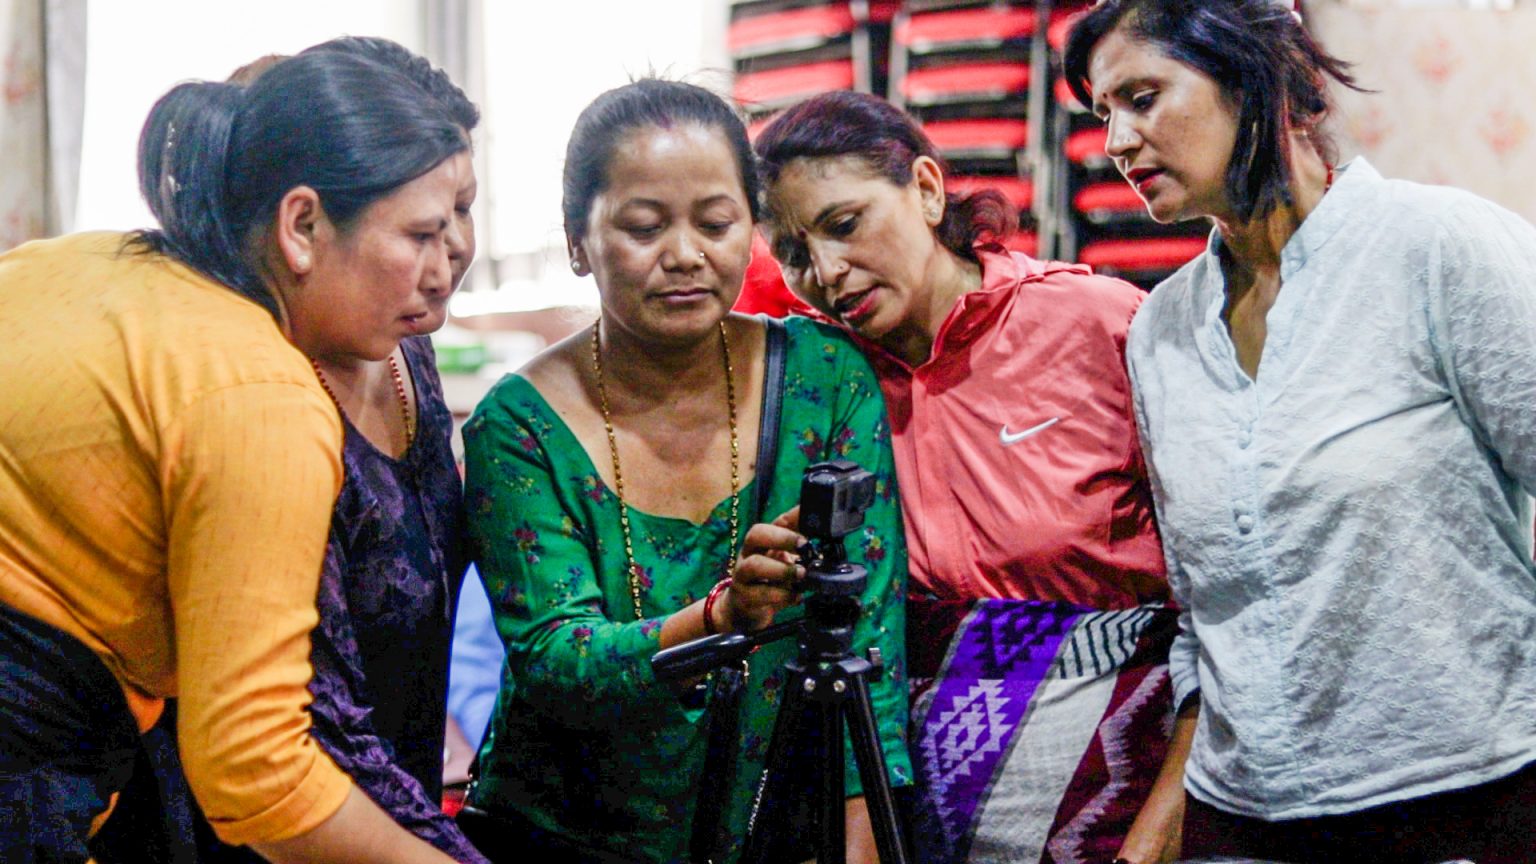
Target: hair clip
point(170, 135)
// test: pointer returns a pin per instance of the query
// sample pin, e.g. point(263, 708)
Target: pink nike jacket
point(1016, 451)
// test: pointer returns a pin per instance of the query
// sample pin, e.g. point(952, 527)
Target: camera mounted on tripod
point(833, 498)
point(826, 689)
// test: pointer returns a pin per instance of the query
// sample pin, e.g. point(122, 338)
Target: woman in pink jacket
point(1038, 633)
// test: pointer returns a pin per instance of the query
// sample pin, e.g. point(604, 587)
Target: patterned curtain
point(1452, 104)
point(42, 86)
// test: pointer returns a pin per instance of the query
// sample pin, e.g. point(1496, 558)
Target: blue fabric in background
point(474, 670)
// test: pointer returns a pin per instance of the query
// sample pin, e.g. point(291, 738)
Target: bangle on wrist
point(709, 605)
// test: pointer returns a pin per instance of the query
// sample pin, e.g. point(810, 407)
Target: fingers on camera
point(769, 570)
point(789, 518)
point(764, 537)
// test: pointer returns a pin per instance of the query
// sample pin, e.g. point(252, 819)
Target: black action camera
point(833, 498)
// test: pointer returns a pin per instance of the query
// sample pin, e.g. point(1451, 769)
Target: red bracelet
point(709, 605)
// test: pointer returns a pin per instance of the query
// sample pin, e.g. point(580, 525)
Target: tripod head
point(833, 498)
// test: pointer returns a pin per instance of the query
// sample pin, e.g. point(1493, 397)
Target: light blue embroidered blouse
point(1349, 532)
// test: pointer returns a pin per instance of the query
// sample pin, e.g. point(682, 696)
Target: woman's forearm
point(1157, 833)
point(859, 833)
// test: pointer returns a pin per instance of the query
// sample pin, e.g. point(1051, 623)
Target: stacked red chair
point(784, 51)
point(963, 69)
point(1106, 223)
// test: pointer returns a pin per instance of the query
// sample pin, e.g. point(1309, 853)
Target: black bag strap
point(709, 839)
point(773, 404)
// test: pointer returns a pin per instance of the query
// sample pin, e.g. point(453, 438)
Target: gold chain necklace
point(399, 381)
point(618, 475)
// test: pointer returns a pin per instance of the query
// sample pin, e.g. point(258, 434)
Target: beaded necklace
point(405, 404)
point(633, 570)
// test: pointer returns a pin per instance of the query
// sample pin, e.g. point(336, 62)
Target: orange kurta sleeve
point(250, 477)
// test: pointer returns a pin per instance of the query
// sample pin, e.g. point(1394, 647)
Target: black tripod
point(826, 687)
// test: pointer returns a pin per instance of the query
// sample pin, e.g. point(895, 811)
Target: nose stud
point(701, 256)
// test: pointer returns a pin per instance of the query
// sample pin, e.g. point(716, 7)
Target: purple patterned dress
point(393, 567)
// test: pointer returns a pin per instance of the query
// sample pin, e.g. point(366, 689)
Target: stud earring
point(301, 263)
point(575, 266)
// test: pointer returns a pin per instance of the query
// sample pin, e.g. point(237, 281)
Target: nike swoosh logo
point(1009, 438)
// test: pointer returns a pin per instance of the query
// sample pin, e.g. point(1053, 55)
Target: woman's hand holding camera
point(767, 577)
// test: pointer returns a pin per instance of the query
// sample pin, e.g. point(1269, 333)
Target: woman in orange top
point(168, 460)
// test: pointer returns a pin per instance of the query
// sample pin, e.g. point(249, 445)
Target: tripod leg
point(832, 846)
point(872, 773)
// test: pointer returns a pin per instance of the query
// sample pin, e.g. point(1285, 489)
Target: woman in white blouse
point(1336, 400)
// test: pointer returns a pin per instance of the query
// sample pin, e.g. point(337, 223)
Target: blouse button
point(1245, 524)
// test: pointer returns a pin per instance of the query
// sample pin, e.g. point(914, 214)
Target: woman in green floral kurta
point(586, 746)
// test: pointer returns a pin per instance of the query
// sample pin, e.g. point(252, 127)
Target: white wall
point(138, 50)
point(1452, 103)
point(545, 61)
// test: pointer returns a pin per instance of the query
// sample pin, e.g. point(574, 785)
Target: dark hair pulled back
point(1259, 55)
point(646, 102)
point(215, 159)
point(888, 141)
point(415, 67)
